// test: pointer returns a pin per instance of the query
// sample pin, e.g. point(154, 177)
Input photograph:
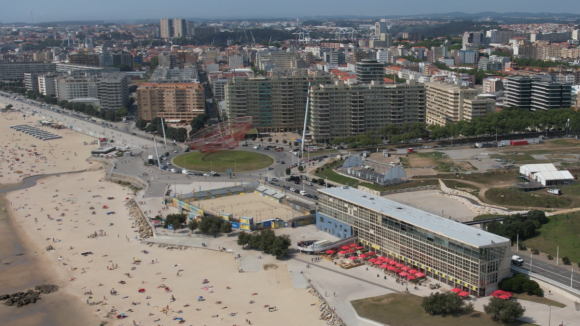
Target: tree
point(566, 260)
point(276, 141)
point(442, 303)
point(175, 220)
point(300, 168)
point(269, 140)
point(122, 112)
point(226, 227)
point(243, 238)
point(151, 128)
point(140, 124)
point(214, 229)
point(192, 225)
point(321, 182)
point(288, 171)
point(205, 225)
point(505, 311)
point(280, 246)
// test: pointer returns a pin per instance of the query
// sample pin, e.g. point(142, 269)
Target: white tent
point(546, 174)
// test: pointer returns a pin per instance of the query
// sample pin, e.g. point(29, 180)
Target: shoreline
point(26, 271)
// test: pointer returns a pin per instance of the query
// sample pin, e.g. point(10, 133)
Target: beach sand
point(57, 155)
point(77, 274)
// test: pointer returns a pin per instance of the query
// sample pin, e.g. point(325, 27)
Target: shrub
point(522, 246)
point(517, 283)
point(469, 309)
point(566, 260)
point(530, 286)
point(550, 257)
point(535, 251)
point(539, 292)
point(506, 284)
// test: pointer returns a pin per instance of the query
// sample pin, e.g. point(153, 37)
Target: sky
point(60, 10)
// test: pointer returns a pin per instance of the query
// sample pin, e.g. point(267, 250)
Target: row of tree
point(518, 225)
point(177, 134)
point(266, 241)
point(393, 132)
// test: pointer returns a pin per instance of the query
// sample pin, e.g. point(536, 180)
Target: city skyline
point(62, 10)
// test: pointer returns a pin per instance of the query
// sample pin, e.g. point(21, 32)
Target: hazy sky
point(54, 10)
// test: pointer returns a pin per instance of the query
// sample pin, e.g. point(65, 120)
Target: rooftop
point(437, 224)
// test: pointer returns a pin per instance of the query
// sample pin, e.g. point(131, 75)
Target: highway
point(550, 271)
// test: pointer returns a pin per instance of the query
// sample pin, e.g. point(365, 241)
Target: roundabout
point(221, 161)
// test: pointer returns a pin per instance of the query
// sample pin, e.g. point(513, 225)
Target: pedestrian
point(325, 294)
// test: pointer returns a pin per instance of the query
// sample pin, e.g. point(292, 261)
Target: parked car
point(274, 179)
point(517, 260)
point(174, 171)
point(303, 193)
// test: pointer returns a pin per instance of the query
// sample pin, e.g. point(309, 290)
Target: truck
point(555, 191)
point(517, 260)
point(150, 160)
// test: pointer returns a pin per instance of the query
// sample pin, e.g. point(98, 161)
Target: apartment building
point(179, 27)
point(537, 93)
point(492, 85)
point(339, 110)
point(47, 84)
point(187, 74)
point(478, 107)
point(111, 89)
point(14, 71)
point(450, 252)
point(236, 61)
point(86, 59)
point(31, 82)
point(475, 38)
point(171, 101)
point(276, 103)
point(369, 70)
point(446, 103)
point(166, 28)
point(280, 59)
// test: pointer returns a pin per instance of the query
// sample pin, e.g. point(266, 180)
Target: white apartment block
point(447, 103)
point(47, 84)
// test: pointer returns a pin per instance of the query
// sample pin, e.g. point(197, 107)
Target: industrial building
point(450, 252)
point(546, 174)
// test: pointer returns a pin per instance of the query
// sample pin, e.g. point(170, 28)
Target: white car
point(184, 171)
point(207, 174)
point(292, 189)
point(174, 171)
point(303, 193)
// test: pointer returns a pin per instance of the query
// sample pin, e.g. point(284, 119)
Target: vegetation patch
point(512, 197)
point(221, 161)
point(561, 230)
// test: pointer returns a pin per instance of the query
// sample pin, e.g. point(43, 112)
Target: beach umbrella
point(345, 247)
point(352, 245)
point(413, 271)
point(371, 253)
point(456, 290)
point(383, 266)
point(388, 260)
point(392, 262)
point(420, 274)
point(352, 257)
point(351, 250)
point(397, 270)
point(406, 268)
point(381, 257)
point(378, 262)
point(399, 265)
point(342, 252)
point(403, 274)
point(363, 256)
point(330, 252)
point(372, 260)
point(391, 268)
point(410, 277)
point(463, 294)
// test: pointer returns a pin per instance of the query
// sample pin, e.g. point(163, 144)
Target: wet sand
point(23, 273)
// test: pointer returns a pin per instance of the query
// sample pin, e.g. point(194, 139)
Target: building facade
point(341, 110)
point(450, 252)
point(47, 84)
point(368, 70)
point(14, 71)
point(166, 28)
point(171, 101)
point(276, 103)
point(111, 89)
point(537, 93)
point(445, 102)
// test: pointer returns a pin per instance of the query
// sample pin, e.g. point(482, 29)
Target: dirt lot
point(249, 205)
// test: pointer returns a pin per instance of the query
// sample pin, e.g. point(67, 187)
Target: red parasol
point(370, 253)
point(410, 277)
point(351, 250)
point(378, 262)
point(359, 248)
point(388, 260)
point(372, 260)
point(406, 268)
point(381, 257)
point(399, 265)
point(345, 247)
point(403, 274)
point(330, 252)
point(392, 262)
point(456, 290)
point(342, 252)
point(397, 270)
point(363, 256)
point(463, 294)
point(420, 274)
point(505, 296)
point(413, 271)
point(352, 257)
point(391, 268)
point(383, 266)
point(352, 245)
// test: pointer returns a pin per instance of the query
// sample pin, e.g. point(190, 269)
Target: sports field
point(221, 161)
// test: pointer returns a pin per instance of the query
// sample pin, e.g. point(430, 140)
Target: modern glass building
point(447, 251)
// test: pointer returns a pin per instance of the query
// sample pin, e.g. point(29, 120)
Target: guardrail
point(547, 280)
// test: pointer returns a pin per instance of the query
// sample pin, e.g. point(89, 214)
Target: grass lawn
point(503, 196)
point(561, 230)
point(329, 173)
point(240, 161)
point(488, 178)
point(460, 185)
point(484, 216)
point(406, 185)
point(536, 299)
point(404, 309)
point(571, 190)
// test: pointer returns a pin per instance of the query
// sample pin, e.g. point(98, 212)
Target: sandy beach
point(57, 212)
point(23, 155)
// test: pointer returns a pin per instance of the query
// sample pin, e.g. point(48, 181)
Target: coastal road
point(551, 271)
